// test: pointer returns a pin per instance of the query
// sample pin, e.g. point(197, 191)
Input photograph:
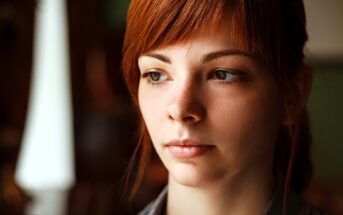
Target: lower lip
point(187, 151)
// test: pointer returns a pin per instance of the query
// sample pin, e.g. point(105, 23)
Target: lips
point(187, 148)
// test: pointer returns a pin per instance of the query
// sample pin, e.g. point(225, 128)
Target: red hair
point(274, 30)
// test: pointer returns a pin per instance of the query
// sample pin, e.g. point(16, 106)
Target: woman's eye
point(220, 74)
point(154, 77)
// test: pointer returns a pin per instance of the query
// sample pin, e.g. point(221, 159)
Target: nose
point(187, 106)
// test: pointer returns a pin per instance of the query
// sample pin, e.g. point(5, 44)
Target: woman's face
point(211, 108)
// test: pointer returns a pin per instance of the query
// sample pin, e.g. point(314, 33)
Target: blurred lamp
point(45, 162)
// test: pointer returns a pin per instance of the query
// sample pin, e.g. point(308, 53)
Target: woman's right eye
point(154, 77)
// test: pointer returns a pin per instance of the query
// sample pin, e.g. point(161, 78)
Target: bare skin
point(213, 113)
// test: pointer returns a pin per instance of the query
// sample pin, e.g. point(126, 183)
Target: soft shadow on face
point(211, 108)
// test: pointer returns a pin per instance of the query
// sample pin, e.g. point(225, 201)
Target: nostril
point(188, 118)
point(186, 114)
point(170, 117)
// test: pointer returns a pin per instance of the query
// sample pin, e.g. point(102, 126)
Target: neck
point(247, 192)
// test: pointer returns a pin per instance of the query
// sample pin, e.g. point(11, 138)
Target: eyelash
point(148, 75)
point(212, 75)
point(233, 73)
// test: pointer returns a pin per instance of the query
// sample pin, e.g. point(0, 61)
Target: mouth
point(187, 148)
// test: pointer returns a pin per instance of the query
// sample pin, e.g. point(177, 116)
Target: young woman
point(220, 87)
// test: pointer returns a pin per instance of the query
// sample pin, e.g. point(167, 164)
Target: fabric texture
point(295, 204)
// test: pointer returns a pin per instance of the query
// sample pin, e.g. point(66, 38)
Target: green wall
point(326, 111)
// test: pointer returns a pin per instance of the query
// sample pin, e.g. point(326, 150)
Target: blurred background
point(103, 119)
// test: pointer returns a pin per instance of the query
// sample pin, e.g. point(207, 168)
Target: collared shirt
point(295, 205)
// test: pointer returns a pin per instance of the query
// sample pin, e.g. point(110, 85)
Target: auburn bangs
point(261, 27)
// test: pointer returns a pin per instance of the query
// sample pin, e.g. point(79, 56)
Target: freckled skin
point(186, 98)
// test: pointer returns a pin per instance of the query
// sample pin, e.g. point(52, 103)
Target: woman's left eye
point(223, 74)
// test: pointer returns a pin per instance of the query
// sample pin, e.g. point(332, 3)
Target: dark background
point(104, 122)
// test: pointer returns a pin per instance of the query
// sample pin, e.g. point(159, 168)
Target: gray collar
point(295, 204)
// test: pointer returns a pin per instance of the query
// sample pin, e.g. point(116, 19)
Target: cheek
point(152, 111)
point(248, 124)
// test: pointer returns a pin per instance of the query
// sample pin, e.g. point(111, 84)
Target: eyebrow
point(207, 57)
point(160, 57)
point(227, 52)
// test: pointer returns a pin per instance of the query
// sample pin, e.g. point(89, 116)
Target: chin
point(190, 175)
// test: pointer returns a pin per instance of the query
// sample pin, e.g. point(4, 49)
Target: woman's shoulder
point(299, 206)
point(156, 206)
point(296, 205)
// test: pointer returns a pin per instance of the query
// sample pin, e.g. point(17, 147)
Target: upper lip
point(185, 142)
